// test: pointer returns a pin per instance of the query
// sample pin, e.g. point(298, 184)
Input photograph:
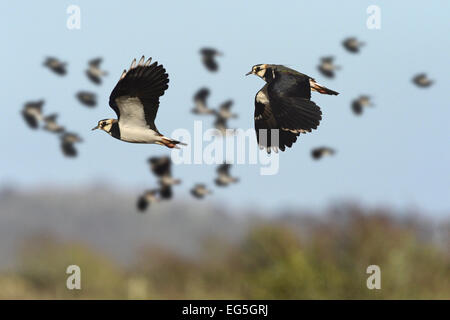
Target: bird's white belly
point(138, 134)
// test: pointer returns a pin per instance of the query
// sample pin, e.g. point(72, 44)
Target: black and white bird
point(320, 152)
point(360, 103)
point(161, 167)
point(52, 125)
point(209, 58)
point(94, 73)
point(200, 101)
point(223, 176)
point(221, 124)
point(135, 100)
point(225, 110)
point(87, 98)
point(56, 66)
point(327, 67)
point(352, 44)
point(146, 199)
point(68, 141)
point(222, 115)
point(200, 190)
point(421, 80)
point(32, 113)
point(283, 107)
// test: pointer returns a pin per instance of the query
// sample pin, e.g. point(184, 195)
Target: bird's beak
point(94, 128)
point(250, 72)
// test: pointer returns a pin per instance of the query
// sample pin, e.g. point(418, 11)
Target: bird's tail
point(171, 143)
point(321, 89)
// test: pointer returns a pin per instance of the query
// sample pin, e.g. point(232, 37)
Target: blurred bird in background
point(200, 101)
point(224, 178)
point(360, 103)
point(32, 113)
point(56, 66)
point(352, 44)
point(161, 168)
point(68, 141)
point(320, 152)
point(94, 73)
point(149, 197)
point(421, 80)
point(209, 58)
point(89, 99)
point(200, 190)
point(52, 125)
point(327, 67)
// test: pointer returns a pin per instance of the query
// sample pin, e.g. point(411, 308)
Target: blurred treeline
point(278, 258)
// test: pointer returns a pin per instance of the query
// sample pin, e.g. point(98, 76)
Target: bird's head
point(105, 125)
point(264, 71)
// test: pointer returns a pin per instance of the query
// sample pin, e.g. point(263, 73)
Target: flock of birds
point(35, 118)
point(283, 111)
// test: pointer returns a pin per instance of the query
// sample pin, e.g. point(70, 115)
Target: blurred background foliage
point(276, 258)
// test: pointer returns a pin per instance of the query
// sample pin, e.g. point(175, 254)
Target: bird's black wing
point(135, 99)
point(289, 98)
point(267, 126)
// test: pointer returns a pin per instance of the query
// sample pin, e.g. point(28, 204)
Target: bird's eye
point(257, 69)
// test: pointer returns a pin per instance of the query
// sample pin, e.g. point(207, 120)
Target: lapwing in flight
point(225, 110)
point(32, 113)
point(284, 106)
point(56, 66)
point(223, 176)
point(209, 58)
point(352, 44)
point(161, 167)
point(200, 190)
point(89, 99)
point(360, 103)
point(222, 115)
point(221, 124)
point(68, 141)
point(200, 101)
point(52, 125)
point(320, 152)
point(149, 197)
point(421, 80)
point(94, 73)
point(327, 67)
point(135, 100)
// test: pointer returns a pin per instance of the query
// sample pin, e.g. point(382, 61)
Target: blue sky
point(395, 154)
